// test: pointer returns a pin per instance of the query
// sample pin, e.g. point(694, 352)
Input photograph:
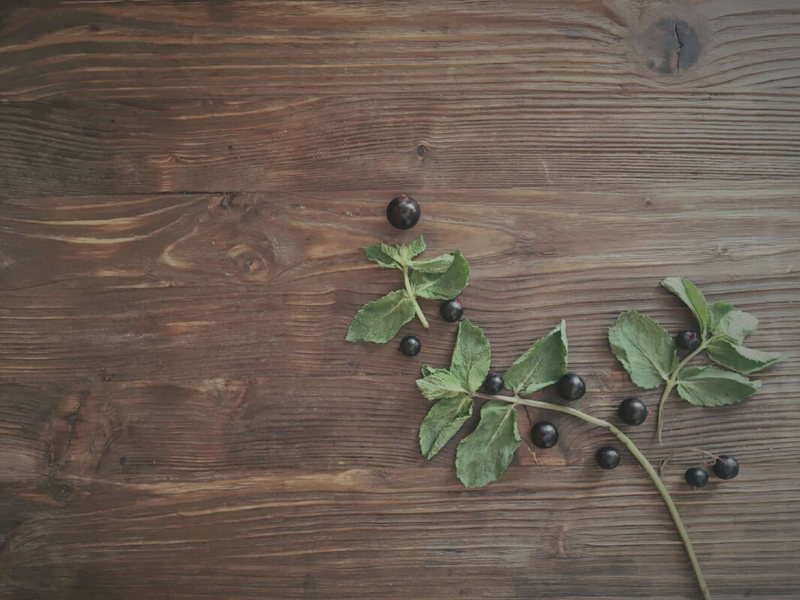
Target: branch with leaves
point(649, 355)
point(645, 349)
point(483, 455)
point(439, 278)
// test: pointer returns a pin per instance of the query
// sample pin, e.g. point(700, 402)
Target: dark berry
point(493, 384)
point(726, 467)
point(632, 411)
point(571, 387)
point(410, 345)
point(687, 340)
point(403, 212)
point(544, 435)
point(696, 478)
point(451, 310)
point(607, 457)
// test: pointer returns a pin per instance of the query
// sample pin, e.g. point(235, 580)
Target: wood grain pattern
point(197, 96)
point(185, 189)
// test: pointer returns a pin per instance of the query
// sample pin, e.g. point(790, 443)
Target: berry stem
point(413, 296)
point(634, 450)
point(670, 384)
point(663, 465)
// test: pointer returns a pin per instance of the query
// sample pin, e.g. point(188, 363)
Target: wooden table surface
point(186, 190)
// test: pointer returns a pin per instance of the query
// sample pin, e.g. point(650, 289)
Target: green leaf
point(485, 453)
point(692, 297)
point(711, 386)
point(378, 321)
point(413, 249)
point(376, 254)
point(644, 348)
point(440, 264)
point(468, 367)
point(393, 252)
point(738, 358)
point(442, 422)
point(403, 253)
point(427, 369)
point(442, 286)
point(715, 312)
point(730, 322)
point(541, 365)
point(441, 383)
point(471, 356)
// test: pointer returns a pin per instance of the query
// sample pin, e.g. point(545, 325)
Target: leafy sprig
point(645, 349)
point(483, 455)
point(440, 278)
point(649, 355)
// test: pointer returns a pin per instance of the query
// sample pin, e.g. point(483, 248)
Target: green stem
point(663, 464)
point(662, 489)
point(670, 384)
point(410, 293)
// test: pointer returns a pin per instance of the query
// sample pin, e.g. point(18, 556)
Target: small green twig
point(413, 296)
point(634, 450)
point(670, 384)
point(663, 464)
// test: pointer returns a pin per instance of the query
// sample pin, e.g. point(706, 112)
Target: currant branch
point(638, 455)
point(650, 355)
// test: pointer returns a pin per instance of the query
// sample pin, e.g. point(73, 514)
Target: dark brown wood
point(185, 189)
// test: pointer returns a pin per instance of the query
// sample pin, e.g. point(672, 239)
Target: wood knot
point(227, 201)
point(248, 261)
point(670, 46)
point(58, 490)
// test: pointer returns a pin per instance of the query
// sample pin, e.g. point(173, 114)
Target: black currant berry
point(726, 467)
point(632, 411)
point(451, 310)
point(696, 478)
point(544, 435)
point(607, 457)
point(403, 212)
point(687, 340)
point(493, 384)
point(410, 345)
point(571, 387)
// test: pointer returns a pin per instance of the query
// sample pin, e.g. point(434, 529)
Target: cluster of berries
point(404, 212)
point(631, 411)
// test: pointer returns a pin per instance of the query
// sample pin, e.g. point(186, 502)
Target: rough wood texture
point(184, 191)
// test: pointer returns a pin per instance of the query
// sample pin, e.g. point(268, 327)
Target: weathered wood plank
point(286, 96)
point(217, 49)
point(136, 431)
point(605, 140)
point(165, 288)
point(362, 533)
